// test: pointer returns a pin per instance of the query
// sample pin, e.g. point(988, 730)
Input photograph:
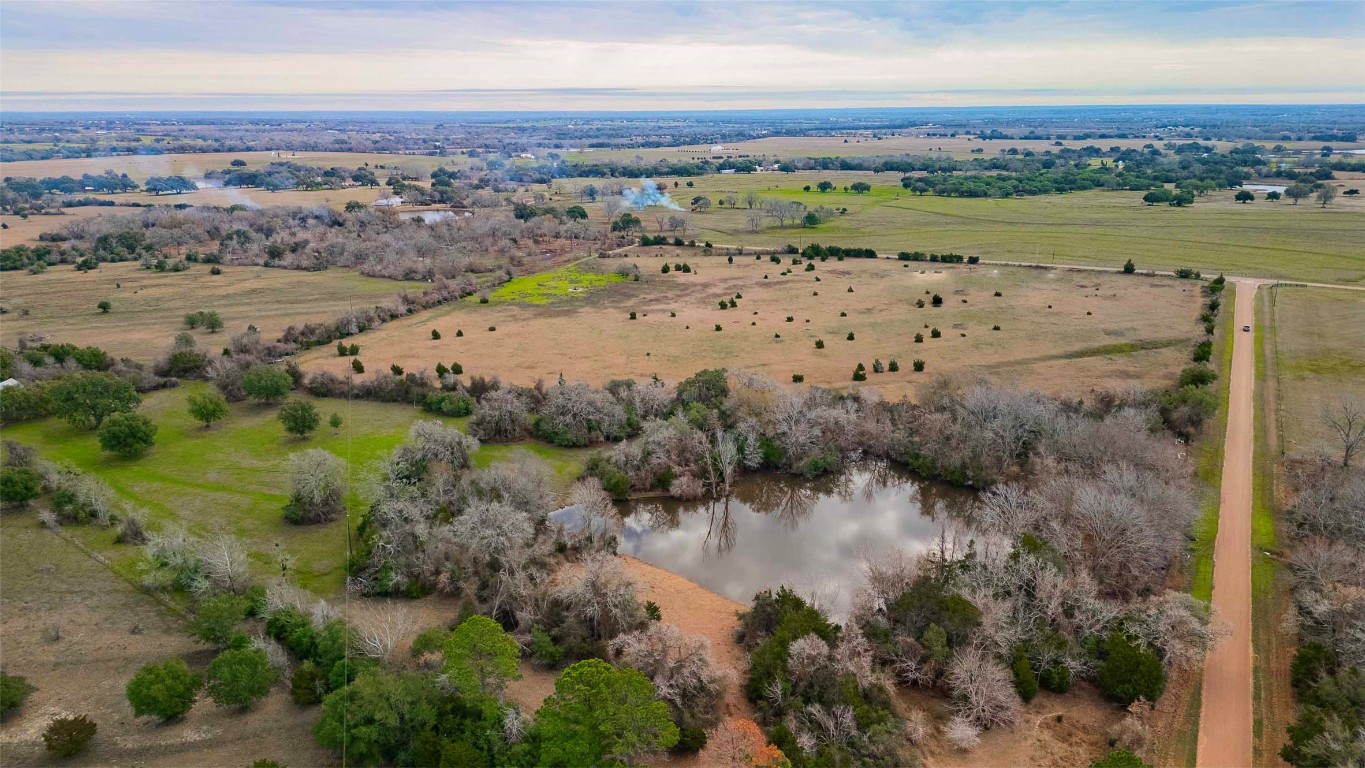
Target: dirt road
point(1225, 714)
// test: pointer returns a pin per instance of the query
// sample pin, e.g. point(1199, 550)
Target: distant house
point(7, 383)
point(728, 170)
point(718, 148)
point(388, 202)
point(526, 156)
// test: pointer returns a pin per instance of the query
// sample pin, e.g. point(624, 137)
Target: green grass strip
point(1210, 469)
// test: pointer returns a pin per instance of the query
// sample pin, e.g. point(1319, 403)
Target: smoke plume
point(648, 195)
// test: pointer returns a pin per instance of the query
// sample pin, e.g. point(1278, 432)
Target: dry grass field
point(1101, 330)
point(149, 307)
point(25, 231)
point(140, 167)
point(106, 629)
point(1319, 351)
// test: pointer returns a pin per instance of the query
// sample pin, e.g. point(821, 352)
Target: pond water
point(813, 535)
point(1265, 187)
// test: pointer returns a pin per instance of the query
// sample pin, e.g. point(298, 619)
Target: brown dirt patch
point(698, 612)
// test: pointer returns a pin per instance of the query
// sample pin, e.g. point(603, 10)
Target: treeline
point(1026, 184)
point(1327, 546)
point(65, 380)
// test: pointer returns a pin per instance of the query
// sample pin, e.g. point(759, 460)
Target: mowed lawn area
point(1060, 331)
point(234, 477)
point(148, 307)
point(1095, 228)
point(1319, 360)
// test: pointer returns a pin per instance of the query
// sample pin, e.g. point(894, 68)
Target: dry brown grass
point(1057, 731)
point(193, 165)
point(21, 231)
point(108, 630)
point(1139, 334)
point(149, 307)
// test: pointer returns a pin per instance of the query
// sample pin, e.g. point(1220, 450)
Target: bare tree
point(602, 597)
point(1347, 420)
point(317, 481)
point(434, 442)
point(962, 733)
point(754, 220)
point(835, 725)
point(612, 206)
point(599, 524)
point(806, 656)
point(725, 462)
point(381, 628)
point(500, 416)
point(785, 211)
point(1176, 624)
point(577, 414)
point(224, 565)
point(274, 653)
point(678, 224)
point(680, 667)
point(751, 199)
point(983, 691)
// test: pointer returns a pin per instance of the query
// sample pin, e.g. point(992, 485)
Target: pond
point(813, 535)
point(1265, 187)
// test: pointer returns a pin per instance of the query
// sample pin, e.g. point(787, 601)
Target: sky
point(120, 55)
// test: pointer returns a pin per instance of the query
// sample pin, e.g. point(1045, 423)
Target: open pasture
point(1095, 228)
point(1139, 329)
point(234, 477)
point(148, 307)
point(1319, 361)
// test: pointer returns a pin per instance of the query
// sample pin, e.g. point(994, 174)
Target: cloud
point(614, 55)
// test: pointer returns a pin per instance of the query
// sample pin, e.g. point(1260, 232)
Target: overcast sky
point(290, 54)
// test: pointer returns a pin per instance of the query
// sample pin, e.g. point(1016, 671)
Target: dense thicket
point(1326, 521)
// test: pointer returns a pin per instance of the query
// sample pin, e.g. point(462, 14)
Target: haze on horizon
point(294, 55)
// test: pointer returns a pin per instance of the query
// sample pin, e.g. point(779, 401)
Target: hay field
point(149, 307)
point(1097, 228)
point(1140, 333)
point(1319, 359)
